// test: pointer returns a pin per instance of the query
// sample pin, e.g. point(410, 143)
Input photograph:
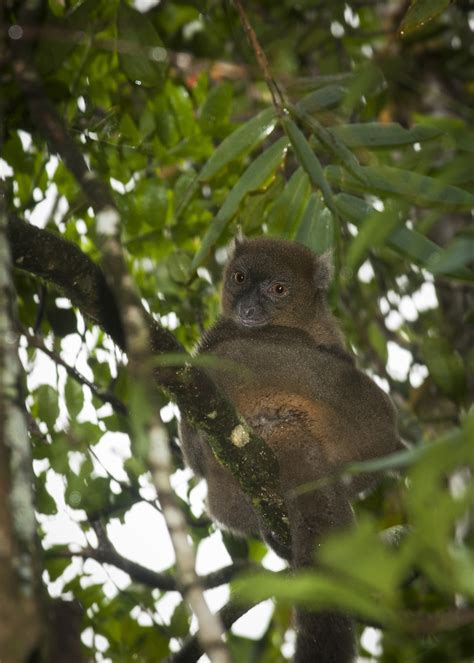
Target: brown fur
point(302, 393)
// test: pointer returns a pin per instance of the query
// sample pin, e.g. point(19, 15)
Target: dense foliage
point(355, 138)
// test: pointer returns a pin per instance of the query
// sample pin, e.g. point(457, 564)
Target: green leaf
point(185, 182)
point(420, 189)
point(56, 566)
point(63, 321)
point(216, 109)
point(374, 134)
point(134, 468)
point(316, 230)
point(57, 7)
point(373, 232)
point(58, 452)
point(244, 649)
point(16, 156)
point(149, 201)
point(47, 402)
point(74, 395)
point(311, 589)
point(368, 561)
point(94, 594)
point(52, 52)
point(179, 624)
point(447, 561)
point(166, 128)
point(242, 140)
point(421, 249)
point(290, 204)
point(332, 143)
point(179, 264)
point(44, 502)
point(256, 175)
point(115, 423)
point(85, 434)
point(420, 12)
point(87, 492)
point(309, 161)
point(328, 96)
point(367, 80)
point(180, 101)
point(260, 206)
point(129, 130)
point(410, 243)
point(392, 461)
point(445, 365)
point(453, 258)
point(378, 341)
point(141, 52)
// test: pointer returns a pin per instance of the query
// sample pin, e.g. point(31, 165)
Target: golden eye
point(239, 277)
point(278, 289)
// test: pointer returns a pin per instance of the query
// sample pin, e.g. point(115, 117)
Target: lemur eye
point(239, 277)
point(278, 289)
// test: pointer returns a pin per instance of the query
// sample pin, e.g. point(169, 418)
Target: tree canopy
point(136, 139)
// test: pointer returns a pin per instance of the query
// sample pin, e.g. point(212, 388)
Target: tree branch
point(162, 581)
point(423, 624)
point(277, 96)
point(63, 264)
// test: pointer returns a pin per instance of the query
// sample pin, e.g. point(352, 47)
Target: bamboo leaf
point(420, 249)
point(141, 43)
point(420, 12)
point(309, 162)
point(373, 232)
point(242, 140)
point(374, 134)
point(294, 199)
point(332, 143)
point(446, 366)
point(328, 96)
point(74, 395)
point(456, 256)
point(420, 189)
point(253, 178)
point(316, 230)
point(410, 243)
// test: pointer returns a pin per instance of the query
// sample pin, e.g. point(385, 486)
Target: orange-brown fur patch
point(277, 416)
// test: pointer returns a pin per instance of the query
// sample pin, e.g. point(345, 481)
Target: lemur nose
point(250, 312)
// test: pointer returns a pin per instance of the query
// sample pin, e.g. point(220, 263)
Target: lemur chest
point(275, 415)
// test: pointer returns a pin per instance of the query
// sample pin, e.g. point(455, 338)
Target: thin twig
point(162, 581)
point(277, 96)
point(104, 396)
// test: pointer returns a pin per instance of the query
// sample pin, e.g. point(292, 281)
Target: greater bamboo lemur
point(301, 393)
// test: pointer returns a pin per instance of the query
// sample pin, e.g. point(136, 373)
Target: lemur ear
point(237, 243)
point(324, 270)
